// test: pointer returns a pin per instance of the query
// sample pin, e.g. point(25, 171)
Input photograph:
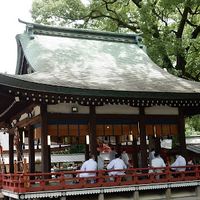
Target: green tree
point(170, 28)
point(193, 125)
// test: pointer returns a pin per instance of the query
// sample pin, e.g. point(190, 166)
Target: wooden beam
point(44, 132)
point(29, 121)
point(27, 109)
point(92, 131)
point(31, 149)
point(135, 153)
point(143, 144)
point(181, 133)
point(11, 154)
point(25, 123)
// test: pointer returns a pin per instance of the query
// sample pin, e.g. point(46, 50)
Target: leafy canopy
point(170, 28)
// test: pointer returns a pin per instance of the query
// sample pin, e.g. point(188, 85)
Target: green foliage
point(58, 12)
point(169, 35)
point(78, 148)
point(193, 125)
point(170, 28)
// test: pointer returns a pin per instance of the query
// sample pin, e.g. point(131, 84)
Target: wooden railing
point(32, 182)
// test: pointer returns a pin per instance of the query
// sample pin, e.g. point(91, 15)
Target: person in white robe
point(89, 165)
point(116, 164)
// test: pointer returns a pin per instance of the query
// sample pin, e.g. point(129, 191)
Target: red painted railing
point(32, 182)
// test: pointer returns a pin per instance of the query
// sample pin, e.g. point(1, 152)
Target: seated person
point(157, 161)
point(180, 161)
point(125, 158)
point(190, 164)
point(151, 156)
point(89, 165)
point(116, 164)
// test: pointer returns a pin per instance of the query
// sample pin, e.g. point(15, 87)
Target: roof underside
point(96, 65)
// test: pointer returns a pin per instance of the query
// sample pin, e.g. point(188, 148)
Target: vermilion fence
point(32, 182)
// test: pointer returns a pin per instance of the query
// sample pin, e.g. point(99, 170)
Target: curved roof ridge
point(40, 29)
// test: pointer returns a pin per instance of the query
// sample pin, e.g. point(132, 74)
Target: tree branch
point(159, 17)
point(137, 3)
point(195, 12)
point(119, 22)
point(196, 32)
point(108, 9)
point(190, 77)
point(182, 22)
point(191, 24)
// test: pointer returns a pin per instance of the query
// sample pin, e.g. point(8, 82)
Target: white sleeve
point(125, 166)
point(110, 165)
point(175, 164)
point(164, 165)
point(83, 167)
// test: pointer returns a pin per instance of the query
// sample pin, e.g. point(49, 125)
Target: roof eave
point(18, 84)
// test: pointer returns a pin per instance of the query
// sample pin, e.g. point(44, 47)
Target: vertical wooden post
point(15, 167)
point(87, 151)
point(135, 153)
point(44, 146)
point(92, 131)
point(157, 144)
point(11, 154)
point(181, 133)
point(25, 171)
point(143, 143)
point(118, 144)
point(20, 150)
point(31, 149)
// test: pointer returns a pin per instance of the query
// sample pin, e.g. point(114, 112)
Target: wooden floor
point(135, 184)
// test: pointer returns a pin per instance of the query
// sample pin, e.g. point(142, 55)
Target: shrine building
point(75, 86)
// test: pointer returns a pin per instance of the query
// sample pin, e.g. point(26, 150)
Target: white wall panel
point(67, 108)
point(117, 109)
point(161, 110)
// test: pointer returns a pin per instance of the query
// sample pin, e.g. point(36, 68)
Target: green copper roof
point(76, 59)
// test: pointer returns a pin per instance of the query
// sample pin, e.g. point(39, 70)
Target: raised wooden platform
point(70, 184)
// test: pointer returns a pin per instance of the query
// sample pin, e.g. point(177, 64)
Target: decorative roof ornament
point(32, 28)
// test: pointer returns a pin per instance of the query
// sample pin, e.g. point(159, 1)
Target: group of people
point(117, 162)
point(156, 161)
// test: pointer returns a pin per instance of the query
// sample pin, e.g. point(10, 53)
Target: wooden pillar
point(20, 151)
point(181, 133)
point(31, 149)
point(118, 144)
point(87, 151)
point(157, 144)
point(11, 154)
point(21, 140)
point(44, 146)
point(135, 153)
point(143, 143)
point(92, 131)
